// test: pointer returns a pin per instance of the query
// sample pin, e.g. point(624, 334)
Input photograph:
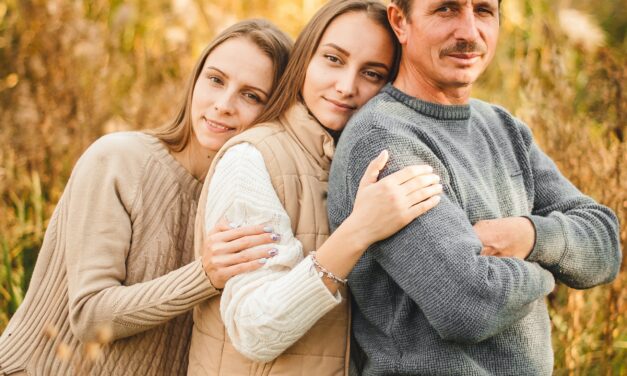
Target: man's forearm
point(577, 239)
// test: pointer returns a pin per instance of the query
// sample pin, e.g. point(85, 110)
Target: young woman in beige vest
point(117, 261)
point(291, 317)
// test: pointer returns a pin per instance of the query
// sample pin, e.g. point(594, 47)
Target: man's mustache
point(464, 47)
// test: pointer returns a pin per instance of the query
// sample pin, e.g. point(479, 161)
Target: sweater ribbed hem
point(434, 110)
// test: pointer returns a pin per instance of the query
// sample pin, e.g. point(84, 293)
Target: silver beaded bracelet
point(323, 272)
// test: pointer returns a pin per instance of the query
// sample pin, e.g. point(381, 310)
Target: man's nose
point(467, 26)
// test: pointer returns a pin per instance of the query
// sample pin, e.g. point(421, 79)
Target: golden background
point(73, 70)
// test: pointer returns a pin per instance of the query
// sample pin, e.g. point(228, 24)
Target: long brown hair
point(288, 90)
point(265, 35)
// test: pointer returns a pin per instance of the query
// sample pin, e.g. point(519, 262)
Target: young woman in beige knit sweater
point(117, 263)
point(291, 317)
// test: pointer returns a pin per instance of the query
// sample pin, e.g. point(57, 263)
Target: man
point(426, 300)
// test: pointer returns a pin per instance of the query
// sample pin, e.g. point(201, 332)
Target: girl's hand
point(227, 251)
point(384, 207)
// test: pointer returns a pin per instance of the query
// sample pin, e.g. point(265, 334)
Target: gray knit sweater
point(425, 301)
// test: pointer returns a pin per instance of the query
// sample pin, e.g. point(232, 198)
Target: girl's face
point(351, 64)
point(230, 92)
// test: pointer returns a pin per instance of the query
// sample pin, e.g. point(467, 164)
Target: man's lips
point(216, 126)
point(341, 105)
point(466, 56)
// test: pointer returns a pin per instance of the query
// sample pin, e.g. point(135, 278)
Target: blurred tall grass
point(73, 70)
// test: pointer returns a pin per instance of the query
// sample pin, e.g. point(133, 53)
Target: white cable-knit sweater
point(267, 310)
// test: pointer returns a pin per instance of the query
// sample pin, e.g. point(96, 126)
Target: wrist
point(353, 234)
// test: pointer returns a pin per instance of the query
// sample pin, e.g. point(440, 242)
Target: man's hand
point(506, 237)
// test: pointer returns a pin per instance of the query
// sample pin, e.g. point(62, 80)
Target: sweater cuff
point(550, 241)
point(304, 291)
point(200, 283)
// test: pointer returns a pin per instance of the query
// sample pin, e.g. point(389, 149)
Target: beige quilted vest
point(297, 153)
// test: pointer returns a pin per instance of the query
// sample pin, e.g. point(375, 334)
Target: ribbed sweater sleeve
point(267, 310)
point(435, 259)
point(577, 239)
point(103, 197)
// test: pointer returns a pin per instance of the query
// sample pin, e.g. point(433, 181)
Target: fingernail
point(273, 252)
point(275, 237)
point(268, 229)
point(262, 260)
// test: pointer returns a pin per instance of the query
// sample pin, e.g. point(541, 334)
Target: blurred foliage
point(73, 70)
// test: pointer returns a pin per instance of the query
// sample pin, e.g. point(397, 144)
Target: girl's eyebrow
point(210, 67)
point(335, 46)
point(343, 51)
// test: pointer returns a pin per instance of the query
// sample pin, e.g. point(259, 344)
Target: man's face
point(450, 43)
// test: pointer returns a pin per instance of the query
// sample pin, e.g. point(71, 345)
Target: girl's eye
point(215, 79)
point(252, 97)
point(332, 58)
point(374, 76)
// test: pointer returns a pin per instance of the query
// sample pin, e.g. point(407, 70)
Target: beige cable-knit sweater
point(117, 253)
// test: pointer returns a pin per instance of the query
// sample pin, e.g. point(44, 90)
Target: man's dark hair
point(405, 5)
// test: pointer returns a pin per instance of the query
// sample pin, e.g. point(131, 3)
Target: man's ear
point(398, 21)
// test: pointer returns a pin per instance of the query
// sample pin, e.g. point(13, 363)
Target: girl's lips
point(342, 106)
point(217, 127)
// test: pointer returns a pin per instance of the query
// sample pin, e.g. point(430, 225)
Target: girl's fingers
point(423, 207)
point(419, 182)
point(222, 225)
point(232, 234)
point(248, 242)
point(422, 194)
point(408, 173)
point(374, 168)
point(242, 268)
point(244, 243)
point(250, 255)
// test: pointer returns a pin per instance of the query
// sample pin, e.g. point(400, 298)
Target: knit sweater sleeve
point(102, 192)
point(577, 239)
point(436, 258)
point(267, 310)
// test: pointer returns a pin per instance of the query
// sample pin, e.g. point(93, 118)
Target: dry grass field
point(72, 70)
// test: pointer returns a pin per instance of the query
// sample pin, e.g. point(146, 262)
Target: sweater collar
point(186, 180)
point(434, 110)
point(309, 134)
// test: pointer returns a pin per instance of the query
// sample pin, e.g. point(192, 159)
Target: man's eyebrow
point(485, 4)
point(447, 3)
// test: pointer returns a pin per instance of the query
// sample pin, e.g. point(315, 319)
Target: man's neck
point(415, 83)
